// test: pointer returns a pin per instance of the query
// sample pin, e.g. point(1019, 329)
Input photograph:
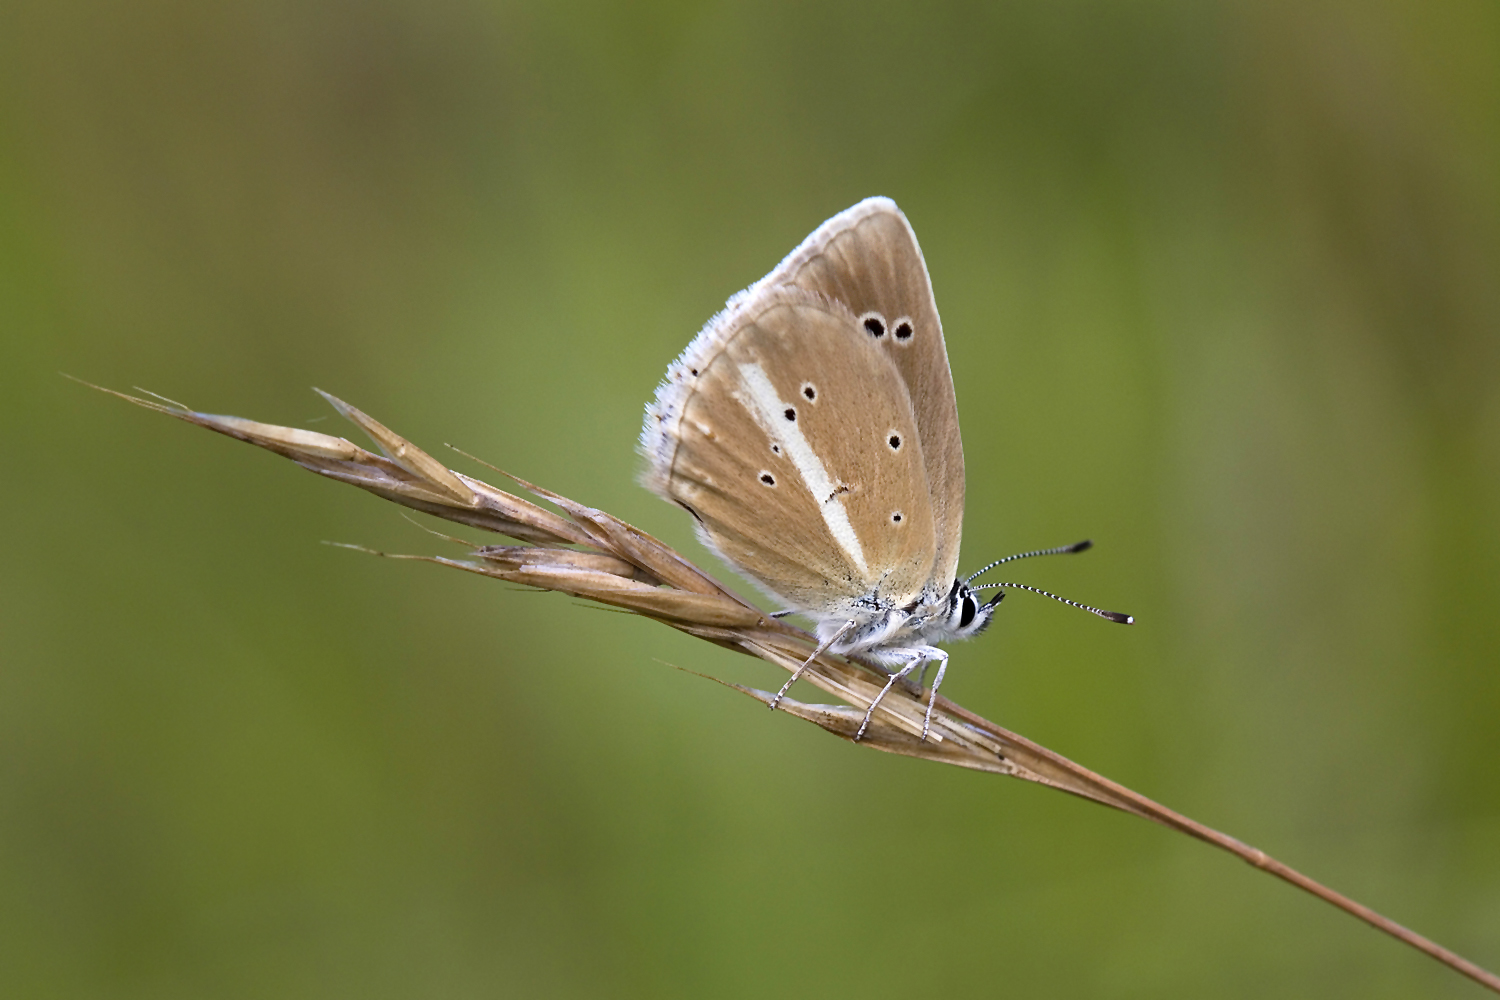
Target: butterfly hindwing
point(797, 449)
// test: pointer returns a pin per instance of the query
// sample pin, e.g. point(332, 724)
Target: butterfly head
point(964, 615)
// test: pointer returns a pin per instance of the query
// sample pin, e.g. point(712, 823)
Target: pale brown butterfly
point(812, 431)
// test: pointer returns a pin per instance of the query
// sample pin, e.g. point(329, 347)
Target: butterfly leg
point(922, 675)
point(933, 653)
point(917, 658)
point(822, 647)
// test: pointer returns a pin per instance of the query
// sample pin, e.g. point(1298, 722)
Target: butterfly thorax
point(885, 633)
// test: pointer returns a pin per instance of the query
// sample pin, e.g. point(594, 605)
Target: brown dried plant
point(588, 553)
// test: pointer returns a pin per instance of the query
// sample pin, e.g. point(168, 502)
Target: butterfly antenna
point(1114, 616)
point(1059, 551)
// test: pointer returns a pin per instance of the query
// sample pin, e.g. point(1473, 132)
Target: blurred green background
point(1221, 284)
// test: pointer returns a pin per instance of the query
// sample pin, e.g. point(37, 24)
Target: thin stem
point(696, 604)
point(1117, 795)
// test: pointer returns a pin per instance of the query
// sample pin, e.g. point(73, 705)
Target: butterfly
point(811, 430)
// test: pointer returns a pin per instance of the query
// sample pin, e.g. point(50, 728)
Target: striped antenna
point(1114, 616)
point(1059, 551)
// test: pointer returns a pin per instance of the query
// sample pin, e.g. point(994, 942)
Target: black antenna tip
point(1116, 616)
point(1087, 543)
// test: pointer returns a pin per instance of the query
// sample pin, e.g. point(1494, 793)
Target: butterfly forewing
point(867, 258)
point(798, 451)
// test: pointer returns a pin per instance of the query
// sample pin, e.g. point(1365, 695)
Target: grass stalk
point(590, 554)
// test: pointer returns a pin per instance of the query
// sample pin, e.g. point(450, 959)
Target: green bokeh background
point(1221, 284)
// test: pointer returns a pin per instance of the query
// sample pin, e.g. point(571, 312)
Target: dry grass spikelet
point(591, 554)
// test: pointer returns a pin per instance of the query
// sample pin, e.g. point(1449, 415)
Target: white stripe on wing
point(770, 413)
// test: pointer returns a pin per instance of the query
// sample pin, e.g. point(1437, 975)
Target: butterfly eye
point(970, 610)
